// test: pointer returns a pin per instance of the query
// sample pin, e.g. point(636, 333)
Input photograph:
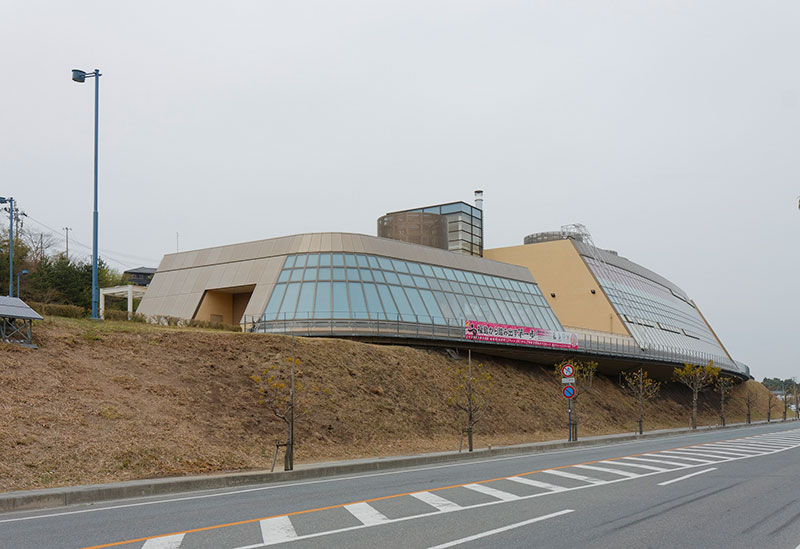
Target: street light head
point(24, 271)
point(3, 199)
point(78, 75)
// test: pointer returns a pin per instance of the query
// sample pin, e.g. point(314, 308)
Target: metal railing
point(405, 326)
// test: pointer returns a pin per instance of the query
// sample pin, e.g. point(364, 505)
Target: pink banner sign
point(520, 335)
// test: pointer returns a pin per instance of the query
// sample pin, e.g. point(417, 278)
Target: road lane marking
point(747, 450)
point(366, 513)
point(165, 542)
point(680, 456)
point(217, 493)
point(499, 530)
point(444, 505)
point(217, 526)
point(499, 494)
point(637, 465)
point(684, 477)
point(723, 453)
point(277, 530)
point(700, 454)
point(610, 470)
point(538, 484)
point(573, 476)
point(665, 462)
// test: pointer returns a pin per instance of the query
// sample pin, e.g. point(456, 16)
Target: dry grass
point(112, 401)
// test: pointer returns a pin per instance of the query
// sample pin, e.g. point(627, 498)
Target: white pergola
point(130, 291)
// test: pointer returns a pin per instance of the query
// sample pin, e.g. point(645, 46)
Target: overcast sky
point(668, 128)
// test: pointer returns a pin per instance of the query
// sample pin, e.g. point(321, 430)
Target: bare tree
point(277, 389)
point(785, 397)
point(770, 402)
point(641, 387)
point(584, 375)
point(749, 399)
point(38, 242)
point(723, 386)
point(470, 393)
point(696, 378)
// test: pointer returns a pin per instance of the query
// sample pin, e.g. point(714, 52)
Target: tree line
point(51, 278)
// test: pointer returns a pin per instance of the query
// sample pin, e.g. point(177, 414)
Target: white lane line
point(681, 457)
point(684, 477)
point(436, 501)
point(537, 484)
point(637, 465)
point(366, 513)
point(665, 462)
point(560, 473)
point(499, 494)
point(619, 472)
point(277, 530)
point(166, 542)
point(499, 530)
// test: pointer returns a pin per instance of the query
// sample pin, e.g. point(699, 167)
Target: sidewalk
point(72, 495)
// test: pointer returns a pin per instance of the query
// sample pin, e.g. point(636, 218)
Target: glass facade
point(464, 226)
point(653, 313)
point(360, 286)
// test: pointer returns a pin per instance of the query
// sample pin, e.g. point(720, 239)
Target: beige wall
point(558, 268)
point(216, 303)
point(240, 302)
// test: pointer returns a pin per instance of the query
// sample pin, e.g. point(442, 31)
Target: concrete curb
point(73, 495)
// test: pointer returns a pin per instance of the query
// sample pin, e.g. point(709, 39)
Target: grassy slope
point(117, 401)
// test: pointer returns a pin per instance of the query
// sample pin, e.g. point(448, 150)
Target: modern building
point(602, 295)
point(555, 296)
point(140, 276)
point(456, 226)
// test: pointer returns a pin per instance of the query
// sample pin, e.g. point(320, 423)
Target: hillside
point(101, 402)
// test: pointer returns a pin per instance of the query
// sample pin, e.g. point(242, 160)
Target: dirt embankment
point(118, 401)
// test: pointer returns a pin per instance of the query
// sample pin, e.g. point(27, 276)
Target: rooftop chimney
point(479, 199)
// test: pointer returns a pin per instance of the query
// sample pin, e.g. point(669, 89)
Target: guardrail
point(453, 330)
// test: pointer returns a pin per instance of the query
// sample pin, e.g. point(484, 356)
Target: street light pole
point(81, 76)
point(19, 274)
point(10, 201)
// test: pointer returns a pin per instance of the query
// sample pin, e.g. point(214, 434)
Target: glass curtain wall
point(654, 312)
point(369, 287)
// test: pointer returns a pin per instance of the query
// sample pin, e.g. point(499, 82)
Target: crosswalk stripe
point(367, 514)
point(724, 453)
point(164, 542)
point(437, 501)
point(538, 484)
point(499, 494)
point(277, 530)
point(682, 456)
point(573, 476)
point(665, 462)
point(740, 448)
point(637, 465)
point(609, 470)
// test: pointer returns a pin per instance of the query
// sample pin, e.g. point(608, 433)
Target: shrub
point(57, 309)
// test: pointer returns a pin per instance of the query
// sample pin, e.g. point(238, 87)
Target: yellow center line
point(339, 506)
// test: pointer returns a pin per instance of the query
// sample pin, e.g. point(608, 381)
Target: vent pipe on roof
point(479, 199)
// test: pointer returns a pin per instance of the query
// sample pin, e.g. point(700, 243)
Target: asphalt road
point(713, 489)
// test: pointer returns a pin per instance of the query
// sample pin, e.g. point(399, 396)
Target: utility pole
point(67, 230)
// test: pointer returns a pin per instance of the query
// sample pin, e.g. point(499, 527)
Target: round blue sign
point(569, 391)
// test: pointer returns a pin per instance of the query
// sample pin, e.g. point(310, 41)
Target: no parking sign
point(568, 391)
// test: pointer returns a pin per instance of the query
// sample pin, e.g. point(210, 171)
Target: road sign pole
point(569, 418)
